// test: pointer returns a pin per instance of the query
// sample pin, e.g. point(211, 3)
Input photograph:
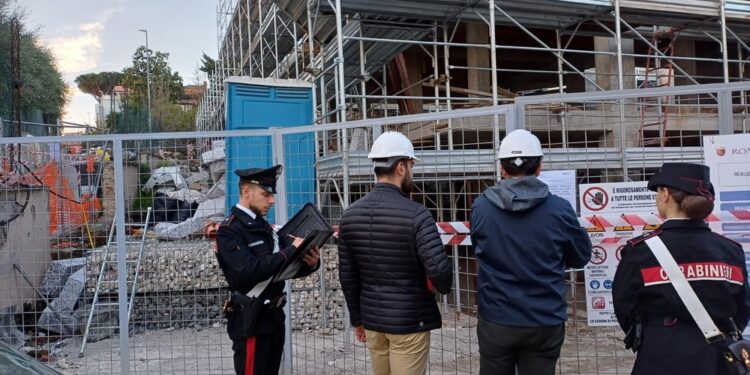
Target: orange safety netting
point(63, 207)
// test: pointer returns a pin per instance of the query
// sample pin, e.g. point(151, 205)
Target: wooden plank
point(503, 92)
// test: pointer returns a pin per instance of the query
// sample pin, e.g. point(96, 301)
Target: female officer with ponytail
point(648, 308)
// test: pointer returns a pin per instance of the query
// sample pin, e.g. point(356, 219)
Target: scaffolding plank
point(694, 7)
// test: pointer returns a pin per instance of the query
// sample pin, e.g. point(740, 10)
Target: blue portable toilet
point(261, 103)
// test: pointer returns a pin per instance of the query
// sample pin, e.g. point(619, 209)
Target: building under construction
point(374, 59)
point(613, 89)
point(377, 59)
point(396, 64)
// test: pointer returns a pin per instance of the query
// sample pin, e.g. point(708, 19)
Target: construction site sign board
point(630, 199)
point(599, 275)
point(620, 197)
point(728, 156)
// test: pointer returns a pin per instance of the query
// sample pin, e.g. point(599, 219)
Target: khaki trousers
point(399, 354)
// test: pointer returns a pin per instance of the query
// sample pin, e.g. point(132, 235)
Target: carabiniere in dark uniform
point(245, 250)
point(648, 308)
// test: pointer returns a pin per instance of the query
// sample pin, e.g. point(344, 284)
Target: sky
point(91, 36)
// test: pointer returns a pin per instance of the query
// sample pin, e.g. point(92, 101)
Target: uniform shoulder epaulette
point(637, 240)
point(227, 221)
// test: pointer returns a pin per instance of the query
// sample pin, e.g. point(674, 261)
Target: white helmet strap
point(519, 160)
point(387, 162)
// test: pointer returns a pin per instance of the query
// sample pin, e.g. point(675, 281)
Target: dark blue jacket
point(524, 237)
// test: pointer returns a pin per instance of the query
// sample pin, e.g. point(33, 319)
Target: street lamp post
point(148, 79)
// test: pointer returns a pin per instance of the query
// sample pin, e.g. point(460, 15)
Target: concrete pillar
point(479, 80)
point(607, 79)
point(606, 65)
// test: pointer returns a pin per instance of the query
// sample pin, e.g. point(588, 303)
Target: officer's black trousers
point(259, 355)
point(503, 350)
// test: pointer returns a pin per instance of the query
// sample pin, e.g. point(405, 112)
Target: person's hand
point(312, 256)
point(296, 241)
point(359, 333)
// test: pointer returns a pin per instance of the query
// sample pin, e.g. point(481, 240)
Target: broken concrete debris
point(166, 178)
point(64, 322)
point(9, 332)
point(57, 275)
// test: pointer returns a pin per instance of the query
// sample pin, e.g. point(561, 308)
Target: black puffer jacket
point(388, 247)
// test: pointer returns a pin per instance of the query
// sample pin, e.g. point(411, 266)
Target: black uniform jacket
point(244, 248)
point(715, 268)
point(388, 248)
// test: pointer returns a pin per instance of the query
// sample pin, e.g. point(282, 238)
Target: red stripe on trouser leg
point(250, 356)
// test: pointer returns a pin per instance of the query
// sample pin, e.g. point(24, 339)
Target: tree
point(43, 87)
point(163, 80)
point(166, 91)
point(99, 84)
point(208, 65)
point(89, 84)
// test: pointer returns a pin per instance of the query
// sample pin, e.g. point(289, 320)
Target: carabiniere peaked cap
point(265, 178)
point(694, 179)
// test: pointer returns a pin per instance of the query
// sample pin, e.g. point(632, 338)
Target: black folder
point(309, 224)
point(304, 222)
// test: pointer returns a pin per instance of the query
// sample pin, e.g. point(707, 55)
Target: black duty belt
point(239, 301)
point(276, 302)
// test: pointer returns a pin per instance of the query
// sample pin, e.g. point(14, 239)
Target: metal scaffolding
point(395, 64)
point(353, 50)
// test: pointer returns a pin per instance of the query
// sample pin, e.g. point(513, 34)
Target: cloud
point(110, 12)
point(73, 90)
point(78, 53)
point(94, 26)
point(77, 50)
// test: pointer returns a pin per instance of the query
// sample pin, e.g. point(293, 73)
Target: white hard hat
point(391, 146)
point(520, 143)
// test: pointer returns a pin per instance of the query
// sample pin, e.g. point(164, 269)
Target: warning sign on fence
point(621, 197)
point(617, 212)
point(599, 274)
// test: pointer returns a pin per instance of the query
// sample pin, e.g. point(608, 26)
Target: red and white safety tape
point(640, 220)
point(66, 159)
point(457, 232)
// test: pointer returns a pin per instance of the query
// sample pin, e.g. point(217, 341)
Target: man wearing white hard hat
point(390, 257)
point(524, 238)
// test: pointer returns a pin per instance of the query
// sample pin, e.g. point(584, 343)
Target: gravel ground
point(454, 350)
point(179, 351)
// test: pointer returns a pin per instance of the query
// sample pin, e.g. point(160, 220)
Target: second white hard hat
point(520, 143)
point(391, 145)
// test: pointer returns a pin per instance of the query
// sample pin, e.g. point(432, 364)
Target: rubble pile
point(307, 306)
point(59, 315)
point(179, 309)
point(166, 266)
point(179, 284)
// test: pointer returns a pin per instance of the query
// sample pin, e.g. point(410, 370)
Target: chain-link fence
point(109, 234)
